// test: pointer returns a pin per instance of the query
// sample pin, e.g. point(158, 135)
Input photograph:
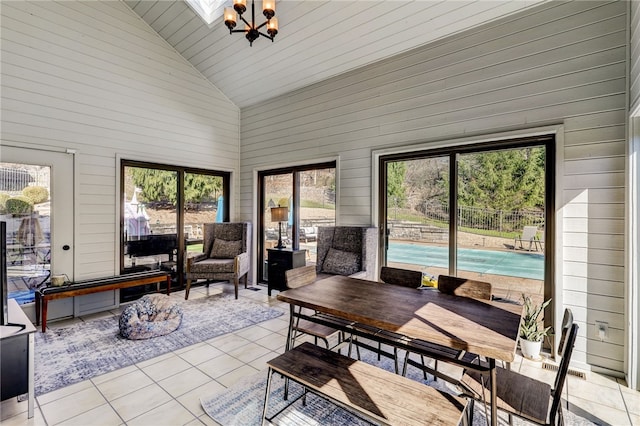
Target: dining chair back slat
point(301, 276)
point(401, 277)
point(464, 287)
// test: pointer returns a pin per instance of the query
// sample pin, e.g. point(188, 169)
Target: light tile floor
point(166, 390)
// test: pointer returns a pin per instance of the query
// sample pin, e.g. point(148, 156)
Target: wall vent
point(554, 367)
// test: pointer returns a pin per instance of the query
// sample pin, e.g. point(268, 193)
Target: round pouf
point(150, 316)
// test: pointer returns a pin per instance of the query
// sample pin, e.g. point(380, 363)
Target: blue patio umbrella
point(290, 211)
point(220, 211)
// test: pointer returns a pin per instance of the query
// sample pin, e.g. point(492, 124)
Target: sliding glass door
point(307, 196)
point(163, 210)
point(479, 212)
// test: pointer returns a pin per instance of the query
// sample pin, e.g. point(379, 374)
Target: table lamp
point(279, 214)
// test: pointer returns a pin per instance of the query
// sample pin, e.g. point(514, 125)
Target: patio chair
point(526, 397)
point(529, 235)
point(225, 255)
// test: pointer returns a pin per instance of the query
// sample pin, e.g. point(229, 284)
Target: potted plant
point(531, 332)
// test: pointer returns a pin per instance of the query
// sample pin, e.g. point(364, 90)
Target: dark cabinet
point(17, 352)
point(279, 261)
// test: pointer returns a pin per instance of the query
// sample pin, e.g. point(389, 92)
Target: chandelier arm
point(245, 21)
point(262, 25)
point(265, 35)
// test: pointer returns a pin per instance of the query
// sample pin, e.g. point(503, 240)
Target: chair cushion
point(341, 262)
point(223, 249)
point(150, 316)
point(209, 266)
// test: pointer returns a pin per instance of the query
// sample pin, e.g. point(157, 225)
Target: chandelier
point(251, 29)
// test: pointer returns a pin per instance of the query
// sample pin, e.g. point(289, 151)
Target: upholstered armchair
point(347, 250)
point(225, 254)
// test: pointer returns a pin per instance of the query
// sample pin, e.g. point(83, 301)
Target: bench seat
point(372, 392)
point(95, 285)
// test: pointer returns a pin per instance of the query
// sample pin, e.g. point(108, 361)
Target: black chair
point(299, 277)
point(523, 396)
point(401, 277)
point(458, 287)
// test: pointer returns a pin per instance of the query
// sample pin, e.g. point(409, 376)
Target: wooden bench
point(79, 288)
point(369, 391)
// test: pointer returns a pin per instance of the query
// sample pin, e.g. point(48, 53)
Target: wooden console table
point(79, 288)
point(17, 346)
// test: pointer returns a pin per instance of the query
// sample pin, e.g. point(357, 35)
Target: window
point(163, 209)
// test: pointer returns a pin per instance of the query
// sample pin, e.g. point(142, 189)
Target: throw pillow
point(223, 249)
point(341, 262)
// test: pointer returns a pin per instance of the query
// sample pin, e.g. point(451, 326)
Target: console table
point(17, 346)
point(279, 261)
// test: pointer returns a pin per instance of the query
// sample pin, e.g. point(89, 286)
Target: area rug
point(242, 403)
point(79, 352)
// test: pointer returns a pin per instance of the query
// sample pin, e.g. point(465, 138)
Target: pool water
point(509, 263)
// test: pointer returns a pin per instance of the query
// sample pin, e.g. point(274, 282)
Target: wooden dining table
point(485, 328)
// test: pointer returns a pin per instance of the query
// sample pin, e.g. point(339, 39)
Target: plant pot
point(530, 350)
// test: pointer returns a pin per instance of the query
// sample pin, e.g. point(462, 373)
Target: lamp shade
point(279, 214)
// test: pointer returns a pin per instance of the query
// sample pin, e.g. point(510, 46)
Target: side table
point(279, 261)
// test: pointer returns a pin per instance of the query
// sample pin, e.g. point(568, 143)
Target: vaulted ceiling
point(316, 39)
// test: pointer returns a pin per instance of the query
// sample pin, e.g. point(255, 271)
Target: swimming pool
point(509, 263)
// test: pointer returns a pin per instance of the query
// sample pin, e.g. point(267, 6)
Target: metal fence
point(14, 179)
point(489, 219)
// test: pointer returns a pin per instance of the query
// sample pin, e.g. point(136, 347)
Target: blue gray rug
point(242, 403)
point(69, 355)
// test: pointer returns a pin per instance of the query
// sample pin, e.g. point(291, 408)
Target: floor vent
point(554, 367)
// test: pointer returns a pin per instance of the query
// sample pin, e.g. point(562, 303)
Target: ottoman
point(150, 316)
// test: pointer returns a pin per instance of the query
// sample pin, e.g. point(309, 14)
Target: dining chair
point(464, 287)
point(526, 397)
point(299, 277)
point(404, 278)
point(458, 287)
point(401, 277)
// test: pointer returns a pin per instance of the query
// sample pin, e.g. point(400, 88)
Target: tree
point(502, 180)
point(424, 181)
point(396, 192)
point(162, 186)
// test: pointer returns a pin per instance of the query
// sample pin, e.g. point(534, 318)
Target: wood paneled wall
point(562, 63)
point(93, 77)
point(634, 81)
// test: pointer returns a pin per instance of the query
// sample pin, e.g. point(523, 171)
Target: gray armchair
point(347, 250)
point(225, 254)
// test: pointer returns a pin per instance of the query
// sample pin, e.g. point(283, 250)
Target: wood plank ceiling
point(316, 39)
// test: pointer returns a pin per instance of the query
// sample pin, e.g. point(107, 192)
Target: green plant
point(19, 205)
point(3, 201)
point(529, 327)
point(37, 194)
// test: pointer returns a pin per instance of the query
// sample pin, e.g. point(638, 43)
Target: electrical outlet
point(602, 330)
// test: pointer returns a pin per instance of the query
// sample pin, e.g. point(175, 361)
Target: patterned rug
point(242, 403)
point(69, 355)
